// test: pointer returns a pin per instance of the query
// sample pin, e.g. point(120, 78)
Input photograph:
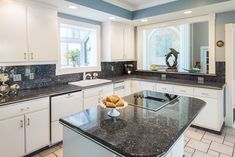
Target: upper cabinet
point(28, 33)
point(42, 33)
point(118, 42)
point(13, 33)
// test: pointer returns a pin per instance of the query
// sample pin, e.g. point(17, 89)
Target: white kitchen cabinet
point(118, 42)
point(148, 86)
point(212, 115)
point(62, 106)
point(94, 96)
point(42, 33)
point(165, 88)
point(28, 33)
point(37, 123)
point(12, 137)
point(129, 43)
point(13, 33)
point(24, 127)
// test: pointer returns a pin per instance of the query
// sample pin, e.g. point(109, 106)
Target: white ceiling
point(137, 4)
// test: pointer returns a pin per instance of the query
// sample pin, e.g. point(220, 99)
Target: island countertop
point(137, 132)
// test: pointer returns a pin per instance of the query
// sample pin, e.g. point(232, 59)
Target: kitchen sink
point(85, 83)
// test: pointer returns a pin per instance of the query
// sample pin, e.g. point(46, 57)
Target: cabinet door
point(12, 137)
point(208, 117)
point(42, 33)
point(129, 42)
point(117, 45)
point(13, 39)
point(37, 130)
point(91, 102)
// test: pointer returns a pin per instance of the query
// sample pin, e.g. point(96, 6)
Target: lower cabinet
point(212, 115)
point(24, 128)
point(12, 137)
point(94, 96)
point(37, 130)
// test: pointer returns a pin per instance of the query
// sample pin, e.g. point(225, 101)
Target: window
point(158, 41)
point(79, 47)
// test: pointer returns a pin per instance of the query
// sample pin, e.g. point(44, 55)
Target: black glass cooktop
point(150, 100)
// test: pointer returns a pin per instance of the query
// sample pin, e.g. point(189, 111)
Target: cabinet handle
point(21, 124)
point(28, 123)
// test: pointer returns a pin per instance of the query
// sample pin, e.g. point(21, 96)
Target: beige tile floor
point(198, 143)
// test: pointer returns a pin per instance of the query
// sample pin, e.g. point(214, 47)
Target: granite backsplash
point(45, 75)
point(219, 77)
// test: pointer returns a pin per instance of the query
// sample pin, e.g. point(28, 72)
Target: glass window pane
point(78, 46)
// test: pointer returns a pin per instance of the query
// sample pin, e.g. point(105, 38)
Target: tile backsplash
point(37, 76)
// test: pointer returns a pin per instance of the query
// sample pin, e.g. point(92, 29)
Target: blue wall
point(173, 7)
point(104, 7)
point(76, 18)
point(143, 13)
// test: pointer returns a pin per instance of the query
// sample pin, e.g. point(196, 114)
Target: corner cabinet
point(24, 127)
point(28, 33)
point(118, 42)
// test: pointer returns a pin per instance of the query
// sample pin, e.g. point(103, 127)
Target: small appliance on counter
point(129, 68)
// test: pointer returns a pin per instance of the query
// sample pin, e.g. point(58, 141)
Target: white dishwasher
point(62, 106)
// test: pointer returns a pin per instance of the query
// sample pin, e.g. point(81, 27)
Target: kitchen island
point(151, 125)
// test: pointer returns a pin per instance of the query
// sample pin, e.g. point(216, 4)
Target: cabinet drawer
point(183, 90)
point(65, 105)
point(208, 93)
point(23, 107)
point(119, 85)
point(164, 88)
point(107, 88)
point(92, 92)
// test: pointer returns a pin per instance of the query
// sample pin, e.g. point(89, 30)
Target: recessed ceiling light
point(112, 18)
point(72, 7)
point(144, 20)
point(188, 12)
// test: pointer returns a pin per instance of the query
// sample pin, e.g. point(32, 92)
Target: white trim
point(61, 71)
point(210, 18)
point(212, 44)
point(132, 7)
point(230, 72)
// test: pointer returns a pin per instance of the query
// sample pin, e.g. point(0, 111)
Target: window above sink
point(79, 47)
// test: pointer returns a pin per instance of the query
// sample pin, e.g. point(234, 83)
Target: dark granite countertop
point(137, 132)
point(208, 85)
point(31, 94)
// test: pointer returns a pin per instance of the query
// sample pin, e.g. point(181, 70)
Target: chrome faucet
point(87, 75)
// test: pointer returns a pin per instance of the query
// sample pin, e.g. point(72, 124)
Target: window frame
point(72, 70)
point(210, 18)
